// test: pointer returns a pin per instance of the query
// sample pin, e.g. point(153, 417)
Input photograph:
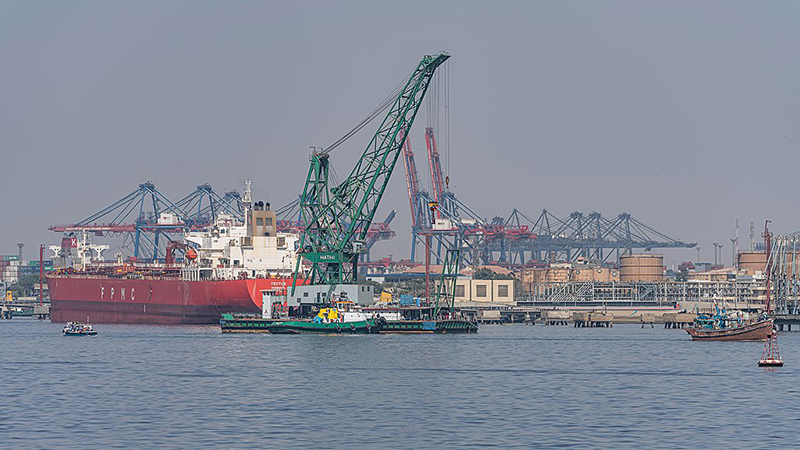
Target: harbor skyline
point(686, 121)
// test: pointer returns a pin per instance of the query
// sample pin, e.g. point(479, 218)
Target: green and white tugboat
point(343, 316)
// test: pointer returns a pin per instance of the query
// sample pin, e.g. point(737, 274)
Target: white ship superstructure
point(254, 249)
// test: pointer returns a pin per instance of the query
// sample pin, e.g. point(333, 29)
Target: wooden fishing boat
point(753, 331)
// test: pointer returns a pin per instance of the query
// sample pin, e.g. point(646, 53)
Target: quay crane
point(148, 220)
point(145, 215)
point(203, 205)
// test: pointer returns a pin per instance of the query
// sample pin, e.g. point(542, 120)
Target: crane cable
point(382, 107)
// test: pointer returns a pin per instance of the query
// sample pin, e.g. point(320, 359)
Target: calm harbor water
point(508, 386)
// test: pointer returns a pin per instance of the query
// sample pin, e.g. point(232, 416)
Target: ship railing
point(156, 277)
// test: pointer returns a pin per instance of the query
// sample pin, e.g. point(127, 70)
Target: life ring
point(352, 328)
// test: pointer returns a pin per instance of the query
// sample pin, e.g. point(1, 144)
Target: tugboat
point(78, 329)
point(343, 316)
point(722, 326)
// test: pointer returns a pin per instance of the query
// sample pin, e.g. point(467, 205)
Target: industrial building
point(640, 283)
point(474, 291)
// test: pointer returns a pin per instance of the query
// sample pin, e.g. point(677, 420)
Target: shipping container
point(47, 262)
point(28, 270)
point(408, 300)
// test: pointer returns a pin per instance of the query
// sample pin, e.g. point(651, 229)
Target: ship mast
point(771, 356)
point(247, 200)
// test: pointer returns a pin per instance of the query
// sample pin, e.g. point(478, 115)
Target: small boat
point(78, 329)
point(722, 326)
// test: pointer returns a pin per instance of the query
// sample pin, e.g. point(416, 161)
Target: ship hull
point(308, 327)
point(758, 331)
point(99, 299)
point(445, 326)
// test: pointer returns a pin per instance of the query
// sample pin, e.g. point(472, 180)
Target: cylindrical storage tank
point(788, 260)
point(641, 268)
point(557, 275)
point(752, 262)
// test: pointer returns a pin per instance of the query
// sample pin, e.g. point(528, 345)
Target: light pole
point(717, 248)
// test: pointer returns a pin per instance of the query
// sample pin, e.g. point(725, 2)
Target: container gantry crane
point(336, 220)
point(418, 199)
point(145, 215)
point(435, 166)
point(451, 224)
point(201, 207)
point(592, 237)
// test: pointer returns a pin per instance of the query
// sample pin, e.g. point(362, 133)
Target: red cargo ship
point(226, 267)
point(154, 300)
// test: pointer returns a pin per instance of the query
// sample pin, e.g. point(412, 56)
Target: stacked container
point(11, 270)
point(4, 264)
point(32, 268)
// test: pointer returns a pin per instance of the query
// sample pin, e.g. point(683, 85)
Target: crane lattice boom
point(337, 219)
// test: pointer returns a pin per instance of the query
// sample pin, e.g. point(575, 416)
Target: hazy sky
point(684, 114)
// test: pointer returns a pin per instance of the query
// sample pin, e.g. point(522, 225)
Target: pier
point(785, 321)
point(556, 317)
point(23, 308)
point(592, 320)
point(678, 320)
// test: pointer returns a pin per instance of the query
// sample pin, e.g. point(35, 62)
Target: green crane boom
point(337, 219)
point(446, 289)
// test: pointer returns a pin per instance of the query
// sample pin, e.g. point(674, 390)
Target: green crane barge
point(336, 220)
